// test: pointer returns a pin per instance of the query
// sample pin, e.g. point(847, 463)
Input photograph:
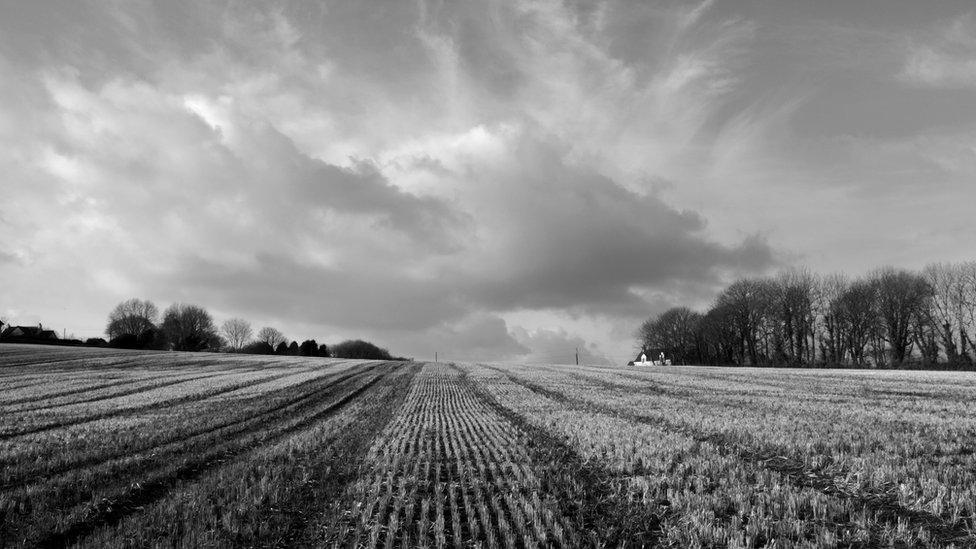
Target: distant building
point(651, 357)
point(28, 332)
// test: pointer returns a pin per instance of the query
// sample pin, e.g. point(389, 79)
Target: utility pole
point(577, 356)
point(435, 356)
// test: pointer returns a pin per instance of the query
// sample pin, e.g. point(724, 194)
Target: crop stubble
point(119, 448)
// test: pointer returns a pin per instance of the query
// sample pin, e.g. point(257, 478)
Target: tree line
point(890, 318)
point(138, 324)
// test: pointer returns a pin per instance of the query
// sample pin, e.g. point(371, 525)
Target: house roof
point(29, 331)
point(653, 353)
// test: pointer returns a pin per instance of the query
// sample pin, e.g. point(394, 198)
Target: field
point(107, 448)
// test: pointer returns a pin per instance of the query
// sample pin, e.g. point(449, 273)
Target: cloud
point(430, 175)
point(548, 235)
point(946, 61)
point(930, 67)
point(476, 337)
point(556, 346)
point(561, 235)
point(288, 288)
point(282, 165)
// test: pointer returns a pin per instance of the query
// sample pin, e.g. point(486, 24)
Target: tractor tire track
point(132, 410)
point(231, 427)
point(883, 505)
point(154, 487)
point(338, 465)
point(126, 392)
point(584, 490)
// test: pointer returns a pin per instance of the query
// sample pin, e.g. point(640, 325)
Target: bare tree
point(132, 317)
point(719, 337)
point(677, 330)
point(747, 303)
point(856, 315)
point(887, 318)
point(827, 293)
point(189, 328)
point(967, 324)
point(237, 331)
point(271, 336)
point(926, 335)
point(793, 309)
point(948, 307)
point(902, 297)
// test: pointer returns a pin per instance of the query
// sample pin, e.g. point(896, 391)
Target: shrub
point(190, 328)
point(360, 349)
point(258, 348)
point(309, 348)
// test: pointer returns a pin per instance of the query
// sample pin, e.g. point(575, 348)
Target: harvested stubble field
point(105, 448)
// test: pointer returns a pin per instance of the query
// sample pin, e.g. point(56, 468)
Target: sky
point(486, 180)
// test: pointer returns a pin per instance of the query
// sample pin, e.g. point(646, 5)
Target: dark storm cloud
point(364, 190)
point(572, 238)
point(303, 186)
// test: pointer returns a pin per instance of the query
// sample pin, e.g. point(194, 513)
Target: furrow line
point(155, 487)
point(119, 394)
point(883, 505)
point(152, 406)
point(180, 438)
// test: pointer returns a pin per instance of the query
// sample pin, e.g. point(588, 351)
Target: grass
point(103, 448)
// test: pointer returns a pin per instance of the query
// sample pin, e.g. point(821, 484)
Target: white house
point(652, 357)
